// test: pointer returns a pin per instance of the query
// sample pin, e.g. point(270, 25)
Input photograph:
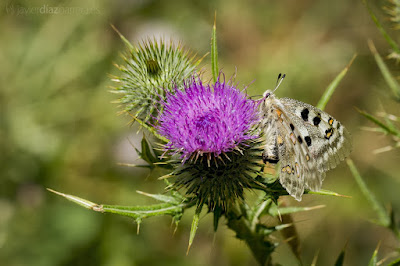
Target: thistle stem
point(261, 248)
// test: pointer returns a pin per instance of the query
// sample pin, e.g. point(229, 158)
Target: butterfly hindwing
point(299, 155)
point(297, 166)
point(312, 176)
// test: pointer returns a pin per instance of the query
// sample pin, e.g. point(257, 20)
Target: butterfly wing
point(283, 131)
point(300, 136)
point(298, 154)
point(309, 143)
point(329, 141)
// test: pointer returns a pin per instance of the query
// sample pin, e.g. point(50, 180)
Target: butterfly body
point(304, 139)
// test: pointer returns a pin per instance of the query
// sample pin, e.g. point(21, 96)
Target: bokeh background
point(59, 129)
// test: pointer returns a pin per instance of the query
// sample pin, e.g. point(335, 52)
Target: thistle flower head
point(151, 69)
point(207, 120)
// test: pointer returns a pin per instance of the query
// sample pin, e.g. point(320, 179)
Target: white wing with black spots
point(305, 140)
point(331, 142)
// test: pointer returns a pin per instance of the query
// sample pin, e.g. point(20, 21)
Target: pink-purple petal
point(207, 119)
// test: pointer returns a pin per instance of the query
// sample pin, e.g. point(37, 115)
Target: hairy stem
point(261, 248)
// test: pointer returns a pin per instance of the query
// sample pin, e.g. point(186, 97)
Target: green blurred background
point(59, 129)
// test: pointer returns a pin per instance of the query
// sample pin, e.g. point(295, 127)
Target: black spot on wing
point(316, 120)
point(300, 139)
point(291, 126)
point(308, 140)
point(304, 114)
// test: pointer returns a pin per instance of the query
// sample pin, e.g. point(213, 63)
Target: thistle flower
point(151, 69)
point(210, 127)
point(207, 121)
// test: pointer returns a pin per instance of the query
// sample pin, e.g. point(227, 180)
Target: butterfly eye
point(268, 94)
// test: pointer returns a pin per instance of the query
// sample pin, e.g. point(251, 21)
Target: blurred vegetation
point(58, 128)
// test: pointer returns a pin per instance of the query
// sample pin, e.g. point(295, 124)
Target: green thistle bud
point(151, 69)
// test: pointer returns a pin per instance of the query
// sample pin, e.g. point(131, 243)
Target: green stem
point(261, 207)
point(260, 248)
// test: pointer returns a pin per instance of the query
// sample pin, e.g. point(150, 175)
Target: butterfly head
point(270, 94)
point(267, 100)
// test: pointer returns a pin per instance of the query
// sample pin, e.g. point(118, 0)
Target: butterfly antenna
point(279, 81)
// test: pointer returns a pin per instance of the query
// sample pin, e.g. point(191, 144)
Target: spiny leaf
point(383, 216)
point(136, 165)
point(340, 259)
point(217, 215)
point(390, 80)
point(385, 128)
point(159, 197)
point(282, 226)
point(257, 211)
point(266, 230)
point(150, 129)
point(136, 212)
point(275, 211)
point(82, 202)
point(193, 229)
point(142, 211)
point(147, 153)
point(374, 259)
point(126, 42)
point(389, 40)
point(389, 123)
point(315, 259)
point(214, 51)
point(291, 235)
point(333, 85)
point(396, 262)
point(327, 193)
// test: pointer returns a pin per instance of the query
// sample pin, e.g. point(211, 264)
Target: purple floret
point(203, 120)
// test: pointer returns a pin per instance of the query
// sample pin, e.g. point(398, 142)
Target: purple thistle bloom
point(201, 120)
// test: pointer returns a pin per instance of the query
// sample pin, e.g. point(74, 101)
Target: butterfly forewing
point(308, 142)
point(330, 141)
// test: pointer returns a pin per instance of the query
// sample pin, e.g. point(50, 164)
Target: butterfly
point(304, 139)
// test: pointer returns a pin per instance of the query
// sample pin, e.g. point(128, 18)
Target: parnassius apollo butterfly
point(305, 140)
